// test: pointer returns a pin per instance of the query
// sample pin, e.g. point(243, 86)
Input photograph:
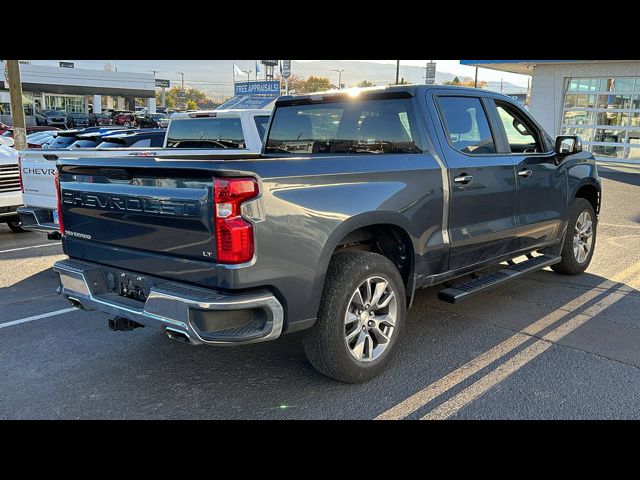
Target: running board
point(465, 290)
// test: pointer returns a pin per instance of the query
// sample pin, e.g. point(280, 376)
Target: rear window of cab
point(217, 132)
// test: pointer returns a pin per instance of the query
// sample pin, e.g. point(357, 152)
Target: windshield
point(205, 133)
point(367, 126)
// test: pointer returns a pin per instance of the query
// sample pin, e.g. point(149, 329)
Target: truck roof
point(409, 89)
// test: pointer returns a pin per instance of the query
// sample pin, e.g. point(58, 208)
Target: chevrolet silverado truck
point(203, 133)
point(358, 199)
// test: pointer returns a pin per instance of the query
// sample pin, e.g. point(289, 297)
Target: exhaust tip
point(177, 335)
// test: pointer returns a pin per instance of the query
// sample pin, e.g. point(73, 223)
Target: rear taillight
point(234, 235)
point(59, 203)
point(20, 173)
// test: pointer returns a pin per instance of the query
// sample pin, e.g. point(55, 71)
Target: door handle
point(463, 179)
point(525, 173)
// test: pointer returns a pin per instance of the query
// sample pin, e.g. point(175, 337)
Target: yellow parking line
point(501, 372)
point(449, 381)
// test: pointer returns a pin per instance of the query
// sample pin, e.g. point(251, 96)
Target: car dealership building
point(76, 90)
point(597, 99)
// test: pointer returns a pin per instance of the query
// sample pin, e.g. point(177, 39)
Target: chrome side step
point(464, 290)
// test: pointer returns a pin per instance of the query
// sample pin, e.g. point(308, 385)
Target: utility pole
point(501, 85)
point(17, 111)
point(397, 71)
point(339, 78)
point(475, 84)
point(182, 81)
point(528, 96)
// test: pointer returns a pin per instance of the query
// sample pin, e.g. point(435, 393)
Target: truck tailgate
point(36, 169)
point(168, 211)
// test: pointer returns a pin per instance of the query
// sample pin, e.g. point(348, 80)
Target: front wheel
point(361, 315)
point(580, 239)
point(16, 227)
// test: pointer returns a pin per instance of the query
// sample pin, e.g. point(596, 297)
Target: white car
point(197, 134)
point(10, 191)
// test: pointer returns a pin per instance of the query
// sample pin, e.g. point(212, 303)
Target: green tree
point(191, 105)
point(192, 94)
point(308, 85)
point(365, 83)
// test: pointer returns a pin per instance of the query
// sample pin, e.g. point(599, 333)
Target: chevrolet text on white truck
point(189, 135)
point(10, 194)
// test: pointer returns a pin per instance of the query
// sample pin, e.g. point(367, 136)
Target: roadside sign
point(267, 87)
point(269, 63)
point(285, 69)
point(430, 75)
point(162, 83)
point(66, 64)
point(182, 94)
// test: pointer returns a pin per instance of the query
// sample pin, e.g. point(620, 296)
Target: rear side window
point(367, 126)
point(466, 125)
point(261, 125)
point(205, 133)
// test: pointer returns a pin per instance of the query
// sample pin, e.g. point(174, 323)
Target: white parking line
point(37, 317)
point(32, 246)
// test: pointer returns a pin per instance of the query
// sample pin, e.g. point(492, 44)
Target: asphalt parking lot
point(543, 347)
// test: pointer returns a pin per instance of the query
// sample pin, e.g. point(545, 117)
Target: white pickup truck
point(189, 135)
point(10, 194)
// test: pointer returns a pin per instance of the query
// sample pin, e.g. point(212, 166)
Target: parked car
point(38, 139)
point(100, 119)
point(10, 191)
point(4, 127)
point(134, 139)
point(57, 118)
point(92, 139)
point(75, 120)
point(357, 202)
point(127, 119)
point(153, 120)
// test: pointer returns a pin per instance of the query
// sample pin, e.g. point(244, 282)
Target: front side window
point(521, 136)
point(466, 125)
point(380, 126)
point(205, 133)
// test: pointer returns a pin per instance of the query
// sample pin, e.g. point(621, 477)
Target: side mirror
point(568, 144)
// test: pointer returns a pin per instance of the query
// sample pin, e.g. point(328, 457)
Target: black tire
point(16, 227)
point(324, 343)
point(569, 264)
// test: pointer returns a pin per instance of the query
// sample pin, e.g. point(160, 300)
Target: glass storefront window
point(608, 151)
point(583, 84)
point(612, 118)
point(598, 122)
point(634, 152)
point(579, 117)
point(579, 101)
point(585, 133)
point(614, 101)
point(610, 135)
point(69, 103)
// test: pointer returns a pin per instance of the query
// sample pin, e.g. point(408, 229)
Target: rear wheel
point(360, 318)
point(16, 227)
point(580, 239)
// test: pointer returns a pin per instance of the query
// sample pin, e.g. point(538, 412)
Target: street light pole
point(339, 77)
point(397, 72)
point(182, 81)
point(475, 84)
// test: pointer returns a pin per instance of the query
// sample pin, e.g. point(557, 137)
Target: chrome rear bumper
point(203, 316)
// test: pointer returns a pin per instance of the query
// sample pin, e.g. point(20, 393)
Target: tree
point(466, 83)
point(191, 105)
point(192, 94)
point(309, 85)
point(365, 83)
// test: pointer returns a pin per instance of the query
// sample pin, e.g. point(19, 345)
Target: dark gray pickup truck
point(358, 199)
